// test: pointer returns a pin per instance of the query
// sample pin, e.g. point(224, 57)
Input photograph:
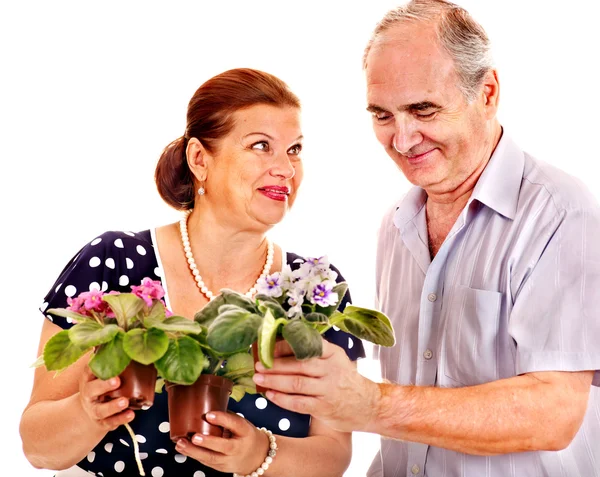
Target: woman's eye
point(295, 150)
point(261, 146)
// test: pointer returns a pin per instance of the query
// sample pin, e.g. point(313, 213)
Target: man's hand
point(328, 388)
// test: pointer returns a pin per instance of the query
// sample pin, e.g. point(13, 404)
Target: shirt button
point(415, 469)
point(428, 354)
point(432, 297)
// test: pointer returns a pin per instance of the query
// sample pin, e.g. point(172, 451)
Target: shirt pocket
point(470, 339)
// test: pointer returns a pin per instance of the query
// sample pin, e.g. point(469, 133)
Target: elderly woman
point(235, 173)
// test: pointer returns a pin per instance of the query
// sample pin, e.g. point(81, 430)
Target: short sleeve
point(111, 261)
point(353, 346)
point(555, 320)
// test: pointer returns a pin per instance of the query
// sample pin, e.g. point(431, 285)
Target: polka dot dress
point(115, 261)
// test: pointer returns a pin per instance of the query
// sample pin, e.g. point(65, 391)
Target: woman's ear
point(197, 156)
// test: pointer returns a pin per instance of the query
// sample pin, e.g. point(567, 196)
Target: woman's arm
point(63, 421)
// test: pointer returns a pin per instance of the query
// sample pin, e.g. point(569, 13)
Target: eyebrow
point(270, 137)
point(421, 106)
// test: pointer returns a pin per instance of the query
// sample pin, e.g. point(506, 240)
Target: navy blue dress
point(115, 261)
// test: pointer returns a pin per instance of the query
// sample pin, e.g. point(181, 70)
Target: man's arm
point(535, 411)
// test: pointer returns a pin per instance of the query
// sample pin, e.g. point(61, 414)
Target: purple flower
point(323, 294)
point(149, 290)
point(271, 285)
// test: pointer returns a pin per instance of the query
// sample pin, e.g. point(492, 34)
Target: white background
point(92, 91)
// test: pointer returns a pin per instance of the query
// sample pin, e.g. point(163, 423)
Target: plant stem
point(136, 449)
point(218, 366)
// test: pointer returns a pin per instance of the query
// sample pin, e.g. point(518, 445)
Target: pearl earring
point(201, 191)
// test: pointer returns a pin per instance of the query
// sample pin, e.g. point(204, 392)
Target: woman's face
point(254, 175)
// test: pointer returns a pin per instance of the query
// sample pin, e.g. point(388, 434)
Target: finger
point(102, 410)
point(234, 423)
point(291, 384)
point(95, 388)
point(226, 447)
point(295, 403)
point(113, 422)
point(283, 348)
point(290, 365)
point(205, 456)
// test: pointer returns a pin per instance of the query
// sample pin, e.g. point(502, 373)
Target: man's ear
point(197, 155)
point(491, 93)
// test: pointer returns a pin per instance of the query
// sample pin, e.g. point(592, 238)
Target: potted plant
point(130, 335)
point(298, 306)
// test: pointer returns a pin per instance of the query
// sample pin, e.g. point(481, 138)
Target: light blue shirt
point(515, 288)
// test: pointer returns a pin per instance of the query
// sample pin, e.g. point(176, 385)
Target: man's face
point(420, 115)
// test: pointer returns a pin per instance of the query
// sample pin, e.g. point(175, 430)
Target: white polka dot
point(94, 286)
point(180, 459)
point(143, 455)
point(161, 451)
point(91, 456)
point(141, 250)
point(158, 272)
point(70, 290)
point(123, 280)
point(69, 319)
point(164, 427)
point(129, 263)
point(57, 287)
point(158, 472)
point(110, 263)
point(43, 307)
point(350, 343)
point(94, 262)
point(108, 447)
point(261, 403)
point(284, 424)
point(119, 243)
point(100, 474)
point(199, 473)
point(119, 466)
point(336, 328)
point(240, 414)
point(124, 442)
point(96, 241)
point(141, 439)
point(131, 234)
point(50, 318)
point(104, 286)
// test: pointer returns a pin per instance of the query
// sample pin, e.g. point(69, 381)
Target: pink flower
point(93, 300)
point(149, 290)
point(77, 305)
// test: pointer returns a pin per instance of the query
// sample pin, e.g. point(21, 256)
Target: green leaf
point(90, 334)
point(242, 386)
point(341, 289)
point(316, 318)
point(125, 306)
point(38, 362)
point(77, 317)
point(209, 313)
point(238, 365)
point(368, 324)
point(156, 314)
point(233, 331)
point(183, 362)
point(145, 346)
point(267, 336)
point(232, 297)
point(276, 309)
point(111, 359)
point(305, 341)
point(60, 352)
point(158, 387)
point(178, 324)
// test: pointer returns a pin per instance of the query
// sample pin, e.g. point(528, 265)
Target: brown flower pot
point(138, 382)
point(189, 404)
point(260, 389)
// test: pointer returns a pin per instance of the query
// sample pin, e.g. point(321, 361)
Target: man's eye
point(381, 117)
point(295, 150)
point(261, 146)
point(422, 115)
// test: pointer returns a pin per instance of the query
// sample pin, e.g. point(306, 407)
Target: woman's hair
point(462, 37)
point(209, 119)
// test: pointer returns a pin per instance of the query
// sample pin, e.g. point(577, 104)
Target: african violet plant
point(298, 305)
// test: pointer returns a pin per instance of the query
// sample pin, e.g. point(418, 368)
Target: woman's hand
point(106, 415)
point(242, 453)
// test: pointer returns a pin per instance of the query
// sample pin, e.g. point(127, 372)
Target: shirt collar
point(497, 188)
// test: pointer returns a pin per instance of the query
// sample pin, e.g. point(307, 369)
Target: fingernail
point(181, 443)
point(211, 416)
point(259, 378)
point(123, 402)
point(112, 382)
point(197, 439)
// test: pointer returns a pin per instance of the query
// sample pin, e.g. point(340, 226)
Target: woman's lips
point(275, 192)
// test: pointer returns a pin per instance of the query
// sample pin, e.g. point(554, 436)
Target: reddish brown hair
point(209, 119)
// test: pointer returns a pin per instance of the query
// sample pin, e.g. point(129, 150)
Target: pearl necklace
point(185, 240)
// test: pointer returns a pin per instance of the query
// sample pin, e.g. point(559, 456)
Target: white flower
point(271, 285)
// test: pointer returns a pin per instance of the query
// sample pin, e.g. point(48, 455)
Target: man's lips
point(418, 158)
point(275, 192)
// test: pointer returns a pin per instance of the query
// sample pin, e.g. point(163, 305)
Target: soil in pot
point(189, 404)
point(138, 382)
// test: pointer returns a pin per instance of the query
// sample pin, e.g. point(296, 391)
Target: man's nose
point(406, 136)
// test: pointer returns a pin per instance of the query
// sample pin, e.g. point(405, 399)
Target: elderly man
point(487, 268)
